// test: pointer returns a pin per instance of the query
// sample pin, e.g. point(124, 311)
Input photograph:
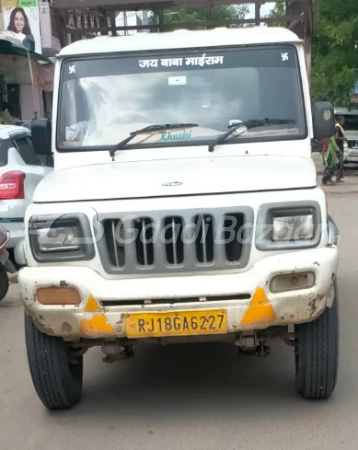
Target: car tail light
point(12, 185)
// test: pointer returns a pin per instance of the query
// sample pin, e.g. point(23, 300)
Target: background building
point(27, 98)
point(57, 23)
point(354, 96)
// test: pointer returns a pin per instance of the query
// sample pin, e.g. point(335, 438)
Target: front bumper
point(290, 307)
point(351, 156)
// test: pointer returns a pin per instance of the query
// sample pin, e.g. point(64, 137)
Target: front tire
point(57, 377)
point(317, 354)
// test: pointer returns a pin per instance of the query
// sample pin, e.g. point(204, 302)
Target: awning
point(21, 66)
point(9, 48)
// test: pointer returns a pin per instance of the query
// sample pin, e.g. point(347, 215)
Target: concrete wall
point(30, 101)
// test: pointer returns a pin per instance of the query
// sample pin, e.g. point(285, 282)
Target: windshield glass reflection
point(104, 100)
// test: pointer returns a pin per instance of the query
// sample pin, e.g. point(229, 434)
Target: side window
point(27, 152)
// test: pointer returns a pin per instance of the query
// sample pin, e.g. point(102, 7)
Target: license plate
point(182, 323)
point(353, 153)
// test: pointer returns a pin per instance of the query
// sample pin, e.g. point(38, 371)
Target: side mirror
point(41, 136)
point(323, 120)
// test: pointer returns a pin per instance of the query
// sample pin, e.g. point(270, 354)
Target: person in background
point(330, 152)
point(340, 138)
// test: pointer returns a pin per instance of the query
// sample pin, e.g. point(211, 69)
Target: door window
point(27, 152)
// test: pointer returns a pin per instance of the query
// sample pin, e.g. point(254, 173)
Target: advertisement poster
point(21, 21)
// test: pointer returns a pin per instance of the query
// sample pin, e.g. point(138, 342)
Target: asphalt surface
point(190, 397)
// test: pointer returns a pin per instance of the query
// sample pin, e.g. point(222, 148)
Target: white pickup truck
point(184, 206)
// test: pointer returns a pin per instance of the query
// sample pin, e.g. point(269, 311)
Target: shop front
point(26, 76)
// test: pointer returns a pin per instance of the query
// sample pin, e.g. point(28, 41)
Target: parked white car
point(351, 131)
point(21, 170)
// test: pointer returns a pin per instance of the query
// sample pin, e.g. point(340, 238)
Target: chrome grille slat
point(130, 251)
point(144, 242)
point(175, 255)
point(189, 248)
point(144, 247)
point(115, 246)
point(219, 247)
point(199, 251)
point(203, 240)
point(173, 240)
point(233, 250)
point(160, 254)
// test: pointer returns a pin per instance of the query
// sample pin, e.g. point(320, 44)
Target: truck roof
point(180, 39)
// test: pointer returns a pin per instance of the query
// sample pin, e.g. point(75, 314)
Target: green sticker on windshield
point(175, 136)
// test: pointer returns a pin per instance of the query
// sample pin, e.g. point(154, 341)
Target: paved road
point(190, 397)
point(350, 169)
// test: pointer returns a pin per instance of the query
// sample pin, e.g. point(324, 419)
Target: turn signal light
point(58, 296)
point(292, 282)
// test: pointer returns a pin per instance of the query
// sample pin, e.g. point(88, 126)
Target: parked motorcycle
point(6, 266)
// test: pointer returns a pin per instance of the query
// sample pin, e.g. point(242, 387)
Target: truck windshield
point(104, 99)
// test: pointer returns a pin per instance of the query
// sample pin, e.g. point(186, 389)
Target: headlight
point(286, 228)
point(60, 239)
point(281, 227)
point(64, 238)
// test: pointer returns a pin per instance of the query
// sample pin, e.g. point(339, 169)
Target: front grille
point(180, 242)
point(352, 144)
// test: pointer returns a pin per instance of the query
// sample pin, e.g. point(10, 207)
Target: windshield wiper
point(150, 128)
point(253, 123)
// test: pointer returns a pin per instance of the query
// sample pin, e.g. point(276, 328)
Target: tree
point(278, 11)
point(335, 51)
point(192, 15)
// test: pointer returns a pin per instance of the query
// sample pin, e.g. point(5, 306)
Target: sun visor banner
point(276, 56)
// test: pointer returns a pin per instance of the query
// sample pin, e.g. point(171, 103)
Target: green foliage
point(190, 15)
point(335, 51)
point(278, 11)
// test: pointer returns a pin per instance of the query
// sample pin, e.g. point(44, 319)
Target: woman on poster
point(19, 24)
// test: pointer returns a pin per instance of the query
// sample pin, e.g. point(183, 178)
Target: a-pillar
point(161, 23)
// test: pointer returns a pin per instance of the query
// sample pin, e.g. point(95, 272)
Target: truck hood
point(159, 178)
